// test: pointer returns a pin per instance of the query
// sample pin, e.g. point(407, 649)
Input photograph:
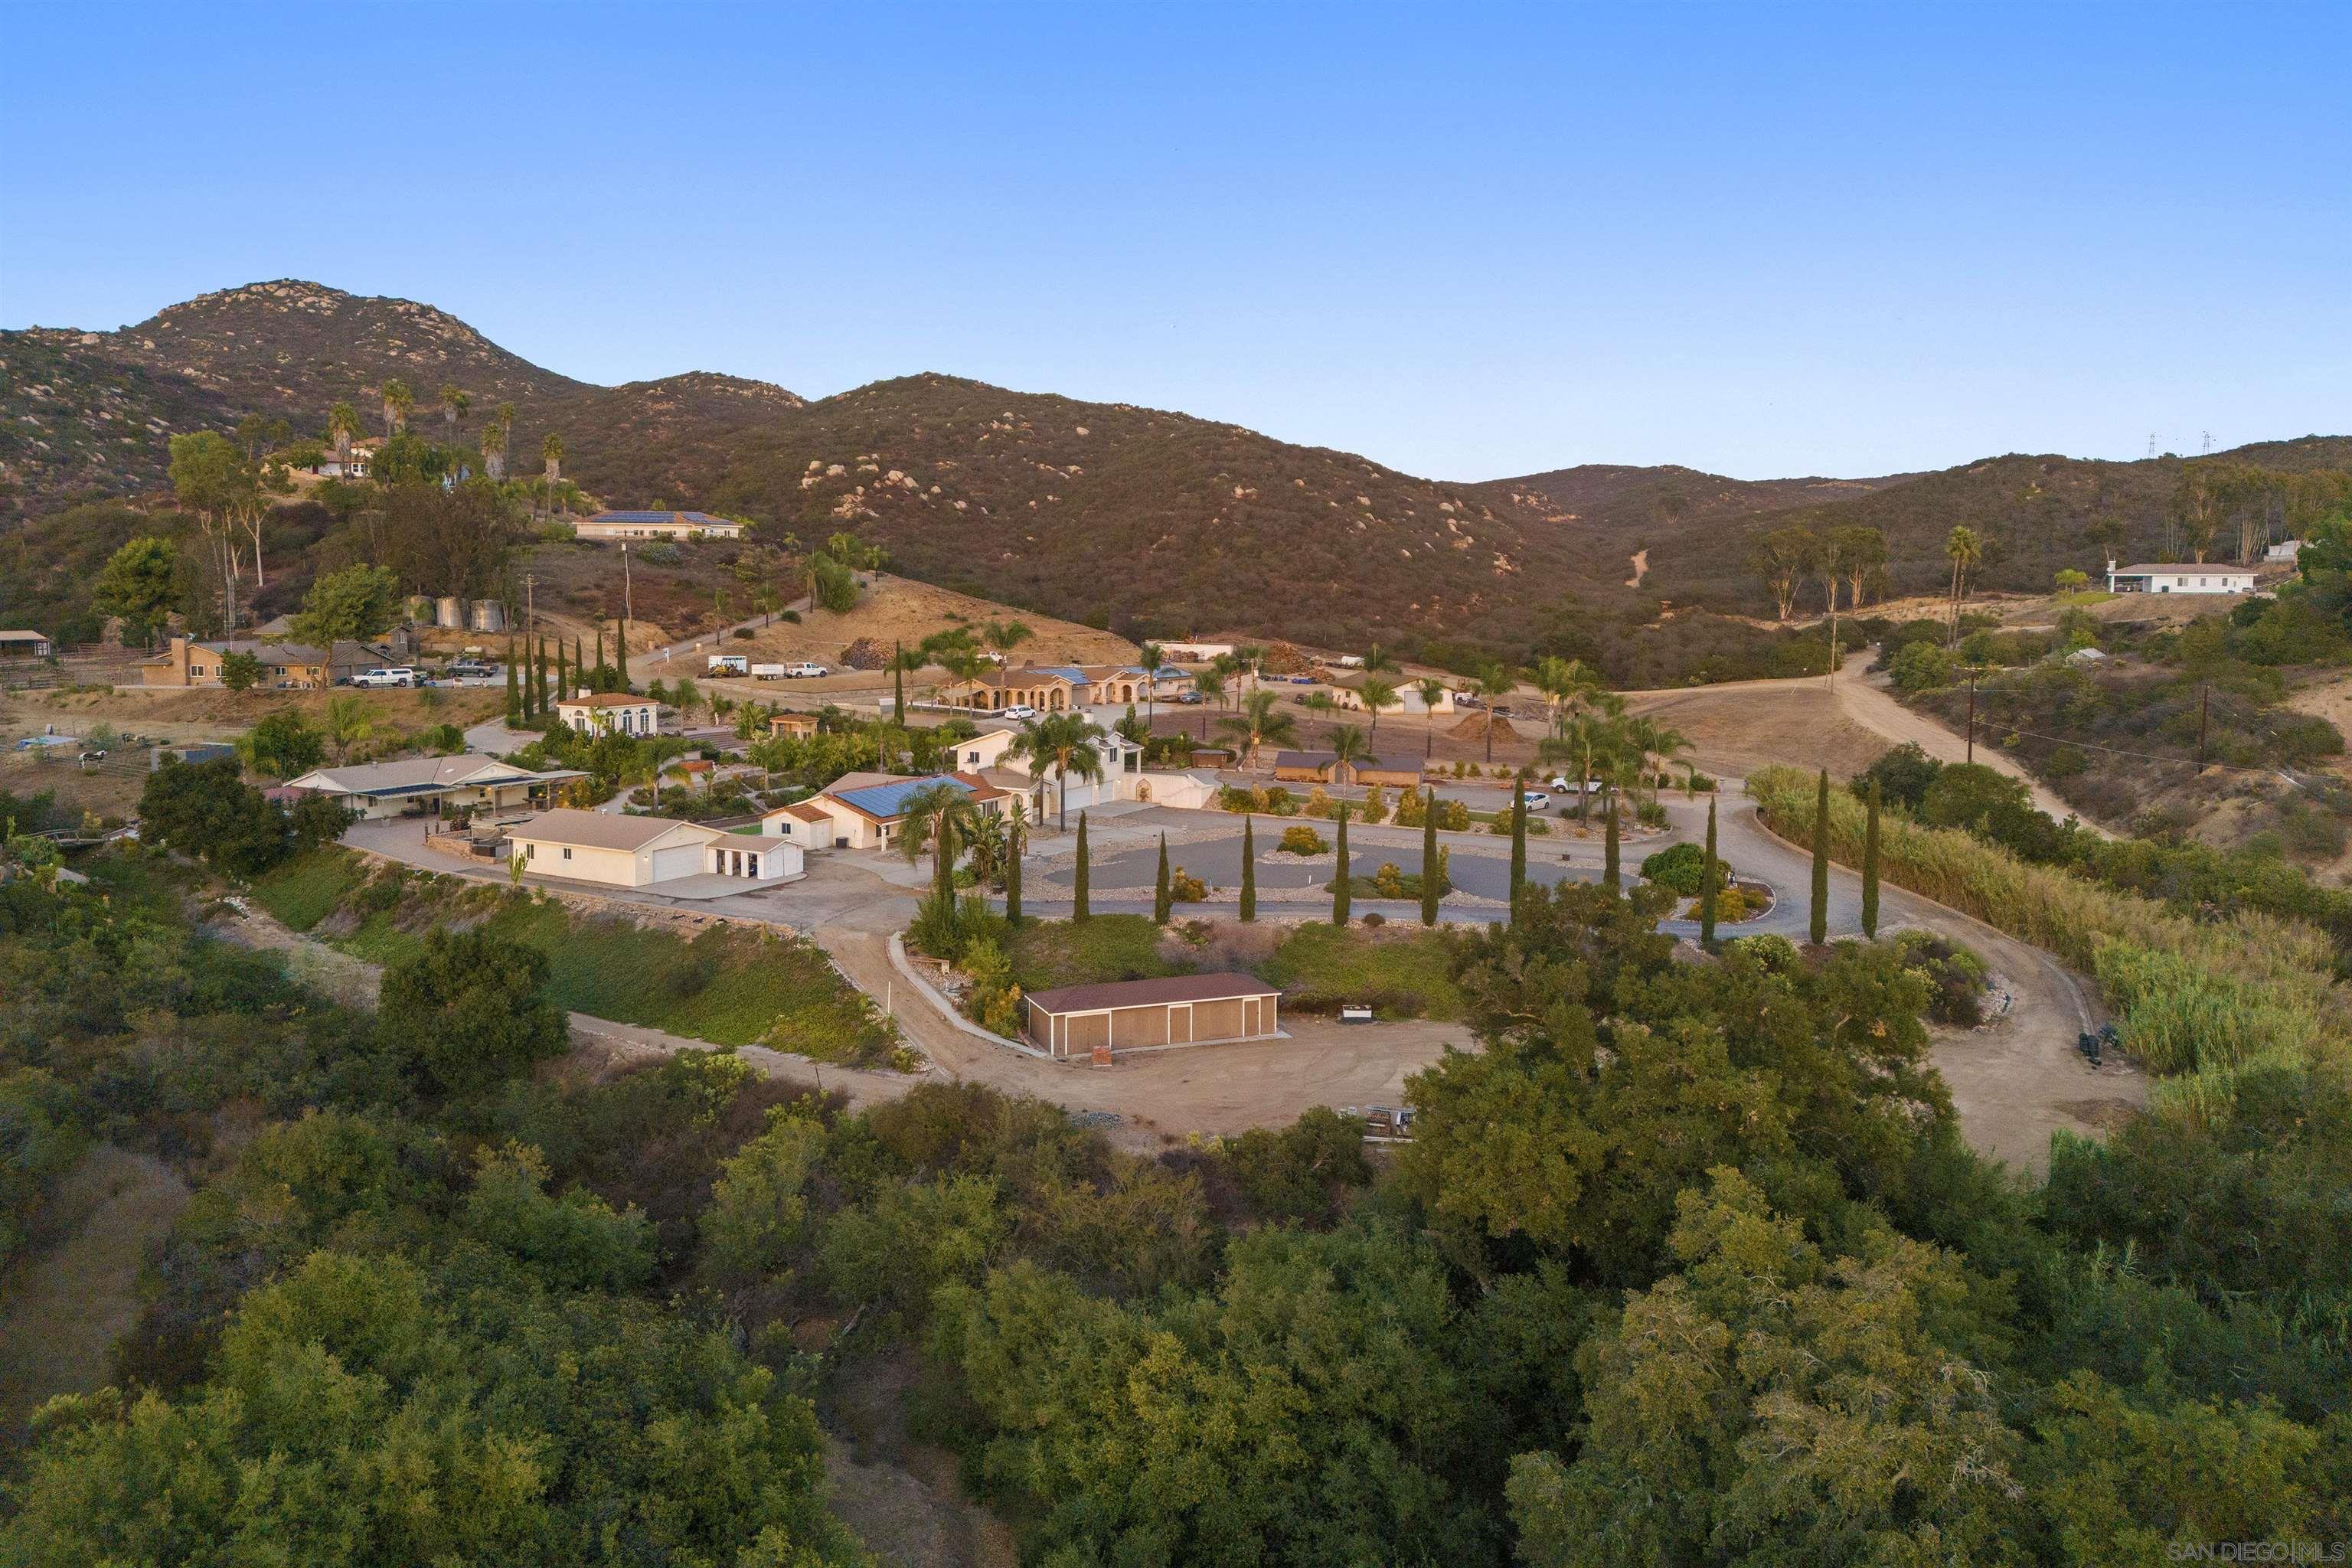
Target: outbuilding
point(2172, 577)
point(646, 851)
point(1144, 1015)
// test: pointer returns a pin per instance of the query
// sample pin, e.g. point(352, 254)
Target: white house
point(610, 714)
point(2201, 577)
point(1194, 652)
point(672, 525)
point(468, 781)
point(984, 751)
point(645, 851)
point(802, 822)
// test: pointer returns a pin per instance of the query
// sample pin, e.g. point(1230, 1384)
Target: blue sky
point(1467, 242)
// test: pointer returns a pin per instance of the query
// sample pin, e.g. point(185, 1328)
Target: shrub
point(1679, 869)
point(993, 1000)
point(1375, 919)
point(1303, 841)
point(1183, 887)
point(1375, 808)
point(1923, 667)
point(1905, 774)
point(1319, 805)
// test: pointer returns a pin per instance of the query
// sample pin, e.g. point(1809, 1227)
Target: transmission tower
point(2151, 443)
point(2209, 443)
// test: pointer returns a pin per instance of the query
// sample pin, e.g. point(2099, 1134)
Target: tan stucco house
point(610, 714)
point(645, 851)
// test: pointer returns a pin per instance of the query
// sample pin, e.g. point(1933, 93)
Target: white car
point(1539, 800)
point(1021, 710)
point(397, 675)
point(1569, 786)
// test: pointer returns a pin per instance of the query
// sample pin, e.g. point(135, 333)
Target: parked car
point(1539, 801)
point(1569, 786)
point(1021, 710)
point(1189, 699)
point(1300, 679)
point(393, 675)
point(463, 671)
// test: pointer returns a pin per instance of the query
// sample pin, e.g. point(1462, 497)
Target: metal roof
point(2184, 569)
point(692, 519)
point(1152, 993)
point(601, 829)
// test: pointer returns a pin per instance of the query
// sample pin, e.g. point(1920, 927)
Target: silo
point(490, 615)
point(449, 613)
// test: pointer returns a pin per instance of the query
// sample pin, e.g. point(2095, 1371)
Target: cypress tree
point(563, 678)
point(539, 681)
point(898, 682)
point(943, 853)
point(600, 646)
point(1078, 894)
point(1710, 872)
point(1820, 927)
point(621, 648)
point(1340, 891)
point(1429, 860)
point(514, 686)
point(1612, 873)
point(1161, 904)
point(1249, 868)
point(1870, 867)
point(1015, 843)
point(579, 666)
point(1518, 843)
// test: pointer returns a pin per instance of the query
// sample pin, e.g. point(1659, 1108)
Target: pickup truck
point(394, 675)
point(806, 669)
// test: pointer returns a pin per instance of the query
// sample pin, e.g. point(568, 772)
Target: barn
point(1137, 1014)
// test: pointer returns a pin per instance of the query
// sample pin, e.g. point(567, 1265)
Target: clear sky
point(1465, 240)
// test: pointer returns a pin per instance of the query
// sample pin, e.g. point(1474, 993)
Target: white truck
point(395, 675)
point(806, 669)
point(727, 664)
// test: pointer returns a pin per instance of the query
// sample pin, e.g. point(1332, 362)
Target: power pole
point(2204, 703)
point(1972, 713)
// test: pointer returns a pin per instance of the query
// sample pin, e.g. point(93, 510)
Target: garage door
point(678, 861)
point(1083, 1032)
point(1216, 1020)
point(1133, 1027)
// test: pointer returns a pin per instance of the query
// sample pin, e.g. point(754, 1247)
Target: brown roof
point(805, 811)
point(599, 829)
point(1152, 993)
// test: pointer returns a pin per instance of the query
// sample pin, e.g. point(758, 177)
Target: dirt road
point(1811, 723)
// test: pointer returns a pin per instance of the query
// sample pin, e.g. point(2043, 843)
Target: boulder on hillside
point(866, 654)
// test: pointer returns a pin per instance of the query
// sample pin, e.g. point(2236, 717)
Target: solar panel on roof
point(887, 800)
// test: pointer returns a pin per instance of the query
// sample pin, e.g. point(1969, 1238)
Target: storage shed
point(1137, 1014)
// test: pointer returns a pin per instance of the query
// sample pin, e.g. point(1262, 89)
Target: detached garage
point(599, 846)
point(1142, 1015)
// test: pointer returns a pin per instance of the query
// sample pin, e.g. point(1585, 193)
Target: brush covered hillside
point(1159, 523)
point(84, 412)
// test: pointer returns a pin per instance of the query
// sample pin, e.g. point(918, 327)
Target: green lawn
point(1050, 953)
point(735, 986)
point(1408, 972)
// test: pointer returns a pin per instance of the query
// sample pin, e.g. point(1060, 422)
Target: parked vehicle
point(389, 676)
point(806, 669)
point(1189, 699)
point(1569, 786)
point(1350, 661)
point(1021, 710)
point(1356, 1012)
point(464, 671)
point(727, 664)
point(1300, 679)
point(1539, 801)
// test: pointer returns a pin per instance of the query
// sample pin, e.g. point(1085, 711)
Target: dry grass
point(2198, 998)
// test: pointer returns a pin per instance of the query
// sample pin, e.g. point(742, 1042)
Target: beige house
point(802, 822)
point(1346, 688)
point(672, 525)
point(24, 644)
point(645, 851)
point(799, 726)
point(414, 786)
point(984, 751)
point(1144, 1015)
point(610, 714)
point(868, 810)
point(285, 666)
point(1050, 687)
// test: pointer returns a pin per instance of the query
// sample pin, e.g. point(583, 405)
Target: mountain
point(1159, 522)
point(293, 349)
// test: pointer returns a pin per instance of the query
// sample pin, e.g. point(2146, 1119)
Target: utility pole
point(2204, 704)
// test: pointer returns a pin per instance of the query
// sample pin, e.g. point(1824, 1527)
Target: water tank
point(420, 609)
point(490, 615)
point(449, 613)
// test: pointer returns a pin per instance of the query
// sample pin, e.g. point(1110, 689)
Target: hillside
point(1150, 521)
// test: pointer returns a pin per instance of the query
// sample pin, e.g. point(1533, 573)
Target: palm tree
point(768, 754)
point(940, 816)
point(398, 398)
point(1432, 691)
point(496, 432)
point(1494, 683)
point(347, 721)
point(1562, 682)
point(1964, 549)
point(1004, 636)
point(1153, 661)
point(1645, 739)
point(1348, 747)
point(1066, 741)
point(343, 426)
point(1258, 719)
point(1378, 692)
point(1211, 684)
point(1376, 661)
point(551, 450)
point(1585, 739)
point(453, 405)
